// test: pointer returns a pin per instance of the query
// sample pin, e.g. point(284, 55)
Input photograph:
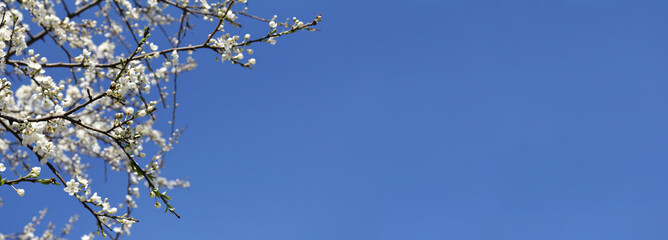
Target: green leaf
point(45, 181)
point(168, 207)
point(164, 196)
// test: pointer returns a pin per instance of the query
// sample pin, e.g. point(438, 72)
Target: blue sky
point(425, 120)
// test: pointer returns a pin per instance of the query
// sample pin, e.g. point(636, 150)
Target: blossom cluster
point(87, 81)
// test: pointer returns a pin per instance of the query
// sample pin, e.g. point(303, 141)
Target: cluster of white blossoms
point(29, 230)
point(86, 81)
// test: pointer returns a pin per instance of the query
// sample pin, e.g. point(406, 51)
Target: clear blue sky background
point(425, 120)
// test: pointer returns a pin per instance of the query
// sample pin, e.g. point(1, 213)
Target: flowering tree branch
point(88, 99)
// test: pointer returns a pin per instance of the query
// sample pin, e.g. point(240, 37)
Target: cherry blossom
point(97, 95)
point(72, 187)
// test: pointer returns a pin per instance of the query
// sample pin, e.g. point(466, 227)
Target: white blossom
point(95, 198)
point(72, 187)
point(89, 236)
point(82, 180)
